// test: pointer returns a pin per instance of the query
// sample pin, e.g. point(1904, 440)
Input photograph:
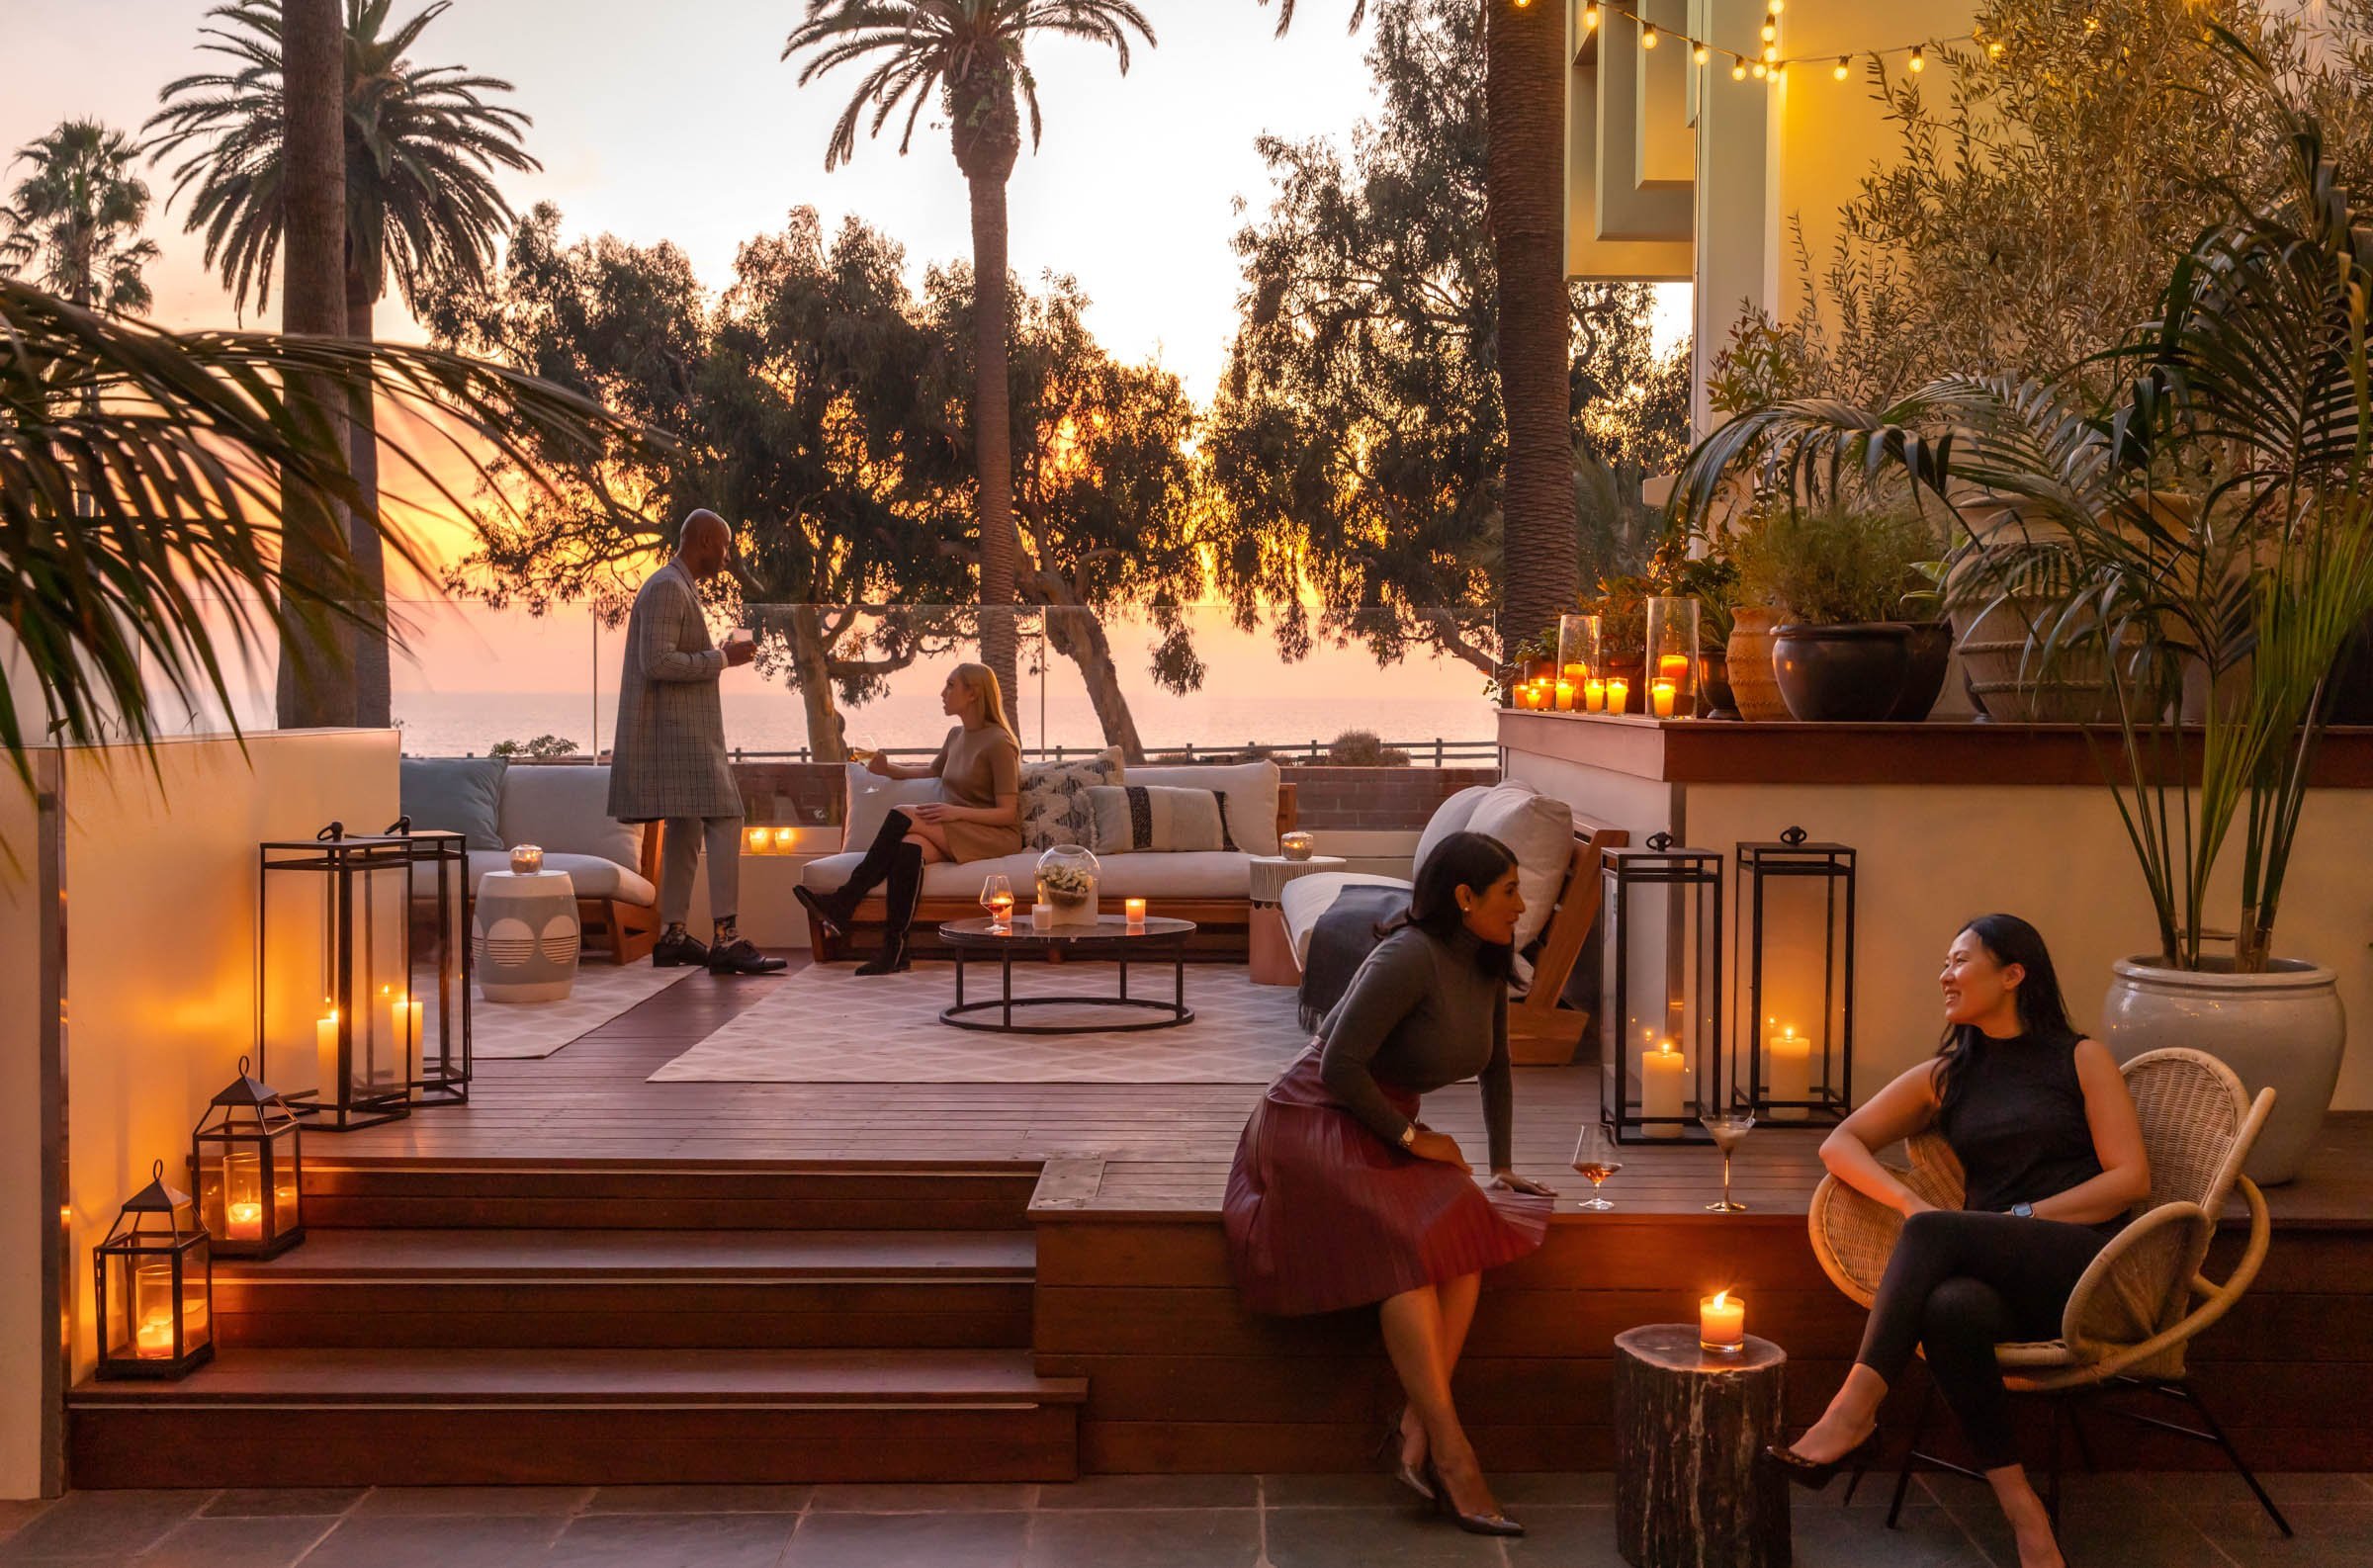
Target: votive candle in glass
point(1594, 695)
point(1134, 909)
point(1565, 696)
point(1722, 1324)
point(1618, 694)
point(785, 839)
point(759, 837)
point(1660, 698)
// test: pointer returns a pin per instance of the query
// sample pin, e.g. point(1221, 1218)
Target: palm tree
point(422, 144)
point(179, 449)
point(76, 218)
point(967, 52)
point(1524, 91)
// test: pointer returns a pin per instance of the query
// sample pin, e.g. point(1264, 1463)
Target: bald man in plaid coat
point(670, 766)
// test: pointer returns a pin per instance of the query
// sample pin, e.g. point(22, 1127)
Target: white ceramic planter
point(2283, 1030)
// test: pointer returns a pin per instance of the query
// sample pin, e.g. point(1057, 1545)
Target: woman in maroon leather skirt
point(1340, 1198)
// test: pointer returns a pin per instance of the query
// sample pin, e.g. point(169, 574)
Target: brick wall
point(1364, 798)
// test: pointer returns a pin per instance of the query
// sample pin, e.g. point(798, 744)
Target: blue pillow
point(455, 794)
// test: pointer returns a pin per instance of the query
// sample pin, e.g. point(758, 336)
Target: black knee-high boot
point(836, 908)
point(903, 895)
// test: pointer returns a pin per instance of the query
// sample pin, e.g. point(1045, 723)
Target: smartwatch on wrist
point(2025, 1211)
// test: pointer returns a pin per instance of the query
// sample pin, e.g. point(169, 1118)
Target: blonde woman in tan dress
point(977, 816)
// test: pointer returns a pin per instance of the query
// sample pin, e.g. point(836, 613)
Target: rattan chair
point(2143, 1299)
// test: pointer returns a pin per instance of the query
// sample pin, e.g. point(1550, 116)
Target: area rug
point(517, 1032)
point(826, 1025)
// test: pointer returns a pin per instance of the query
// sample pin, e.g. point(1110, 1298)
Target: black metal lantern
point(248, 1170)
point(156, 1287)
point(1660, 1021)
point(361, 972)
point(1794, 1040)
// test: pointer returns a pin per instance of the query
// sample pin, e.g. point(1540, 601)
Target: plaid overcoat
point(669, 757)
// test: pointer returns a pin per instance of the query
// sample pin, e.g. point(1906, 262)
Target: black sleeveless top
point(2017, 1120)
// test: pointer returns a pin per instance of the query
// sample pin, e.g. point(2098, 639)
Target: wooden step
point(595, 1289)
point(584, 1418)
point(543, 1194)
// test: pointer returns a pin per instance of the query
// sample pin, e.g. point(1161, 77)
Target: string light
point(1919, 59)
point(1590, 15)
point(1840, 73)
point(1993, 50)
point(1648, 35)
point(1762, 70)
point(1771, 26)
point(1766, 64)
point(1703, 55)
point(1738, 70)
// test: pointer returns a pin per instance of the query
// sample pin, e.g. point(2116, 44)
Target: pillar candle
point(1662, 1079)
point(1672, 667)
point(1594, 695)
point(1618, 694)
point(1042, 917)
point(1790, 1073)
point(1660, 698)
point(1577, 674)
point(1722, 1322)
point(326, 1051)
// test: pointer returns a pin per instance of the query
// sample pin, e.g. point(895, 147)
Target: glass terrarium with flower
point(1067, 881)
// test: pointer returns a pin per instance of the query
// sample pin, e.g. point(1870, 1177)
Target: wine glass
point(1596, 1158)
point(1729, 1131)
point(997, 896)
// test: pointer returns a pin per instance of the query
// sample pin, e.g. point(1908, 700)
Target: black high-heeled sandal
point(1811, 1476)
point(1499, 1524)
point(1401, 1471)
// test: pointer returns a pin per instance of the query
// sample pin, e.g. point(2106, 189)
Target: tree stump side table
point(1691, 1487)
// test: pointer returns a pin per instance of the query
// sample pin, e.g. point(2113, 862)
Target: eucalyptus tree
point(423, 145)
point(74, 221)
point(968, 55)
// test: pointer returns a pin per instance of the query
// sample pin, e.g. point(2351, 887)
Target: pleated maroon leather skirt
point(1322, 1214)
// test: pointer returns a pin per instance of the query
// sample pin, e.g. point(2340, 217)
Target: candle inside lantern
point(1134, 909)
point(242, 1196)
point(1722, 1323)
point(244, 1222)
point(326, 1047)
point(1662, 1073)
point(1594, 695)
point(1618, 694)
point(403, 1020)
point(1790, 1056)
point(1672, 667)
point(785, 839)
point(152, 1311)
point(1577, 672)
point(1660, 698)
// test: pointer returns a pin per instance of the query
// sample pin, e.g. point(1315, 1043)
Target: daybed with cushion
point(1558, 871)
point(564, 809)
point(1211, 886)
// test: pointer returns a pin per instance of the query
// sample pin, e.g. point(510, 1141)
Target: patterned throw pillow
point(1055, 808)
point(1156, 816)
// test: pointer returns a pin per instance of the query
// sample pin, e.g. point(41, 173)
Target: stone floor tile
point(1337, 1491)
point(1208, 1537)
point(1564, 1488)
point(104, 1526)
point(2204, 1491)
point(1560, 1535)
point(907, 1541)
point(2102, 1518)
point(700, 1499)
point(1374, 1537)
point(471, 1502)
point(674, 1540)
point(2329, 1536)
point(1151, 1490)
point(283, 1502)
point(1858, 1537)
point(998, 1497)
point(237, 1542)
point(16, 1514)
point(436, 1541)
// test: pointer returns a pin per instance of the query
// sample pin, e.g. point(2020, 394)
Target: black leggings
point(1962, 1281)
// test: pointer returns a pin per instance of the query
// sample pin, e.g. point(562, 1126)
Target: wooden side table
point(1270, 958)
point(1690, 1487)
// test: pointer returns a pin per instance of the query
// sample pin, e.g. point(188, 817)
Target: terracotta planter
point(2284, 1029)
point(1755, 685)
point(1842, 675)
point(1930, 647)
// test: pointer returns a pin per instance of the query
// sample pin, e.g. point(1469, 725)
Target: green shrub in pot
point(1842, 576)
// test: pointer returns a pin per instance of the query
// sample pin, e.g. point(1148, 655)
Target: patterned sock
point(726, 931)
point(675, 932)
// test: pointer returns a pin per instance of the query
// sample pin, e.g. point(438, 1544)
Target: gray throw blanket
point(1340, 943)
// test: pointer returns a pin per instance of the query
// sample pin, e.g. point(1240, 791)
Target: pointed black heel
point(835, 923)
point(1813, 1477)
point(1401, 1468)
point(1499, 1524)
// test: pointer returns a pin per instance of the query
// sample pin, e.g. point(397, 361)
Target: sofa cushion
point(456, 794)
point(1206, 874)
point(594, 876)
point(1539, 829)
point(871, 799)
point(1305, 899)
point(1156, 816)
point(1251, 789)
point(1450, 816)
point(1054, 799)
point(567, 810)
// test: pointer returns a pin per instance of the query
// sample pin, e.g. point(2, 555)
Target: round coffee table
point(1111, 936)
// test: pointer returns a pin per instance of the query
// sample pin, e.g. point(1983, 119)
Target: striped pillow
point(1156, 816)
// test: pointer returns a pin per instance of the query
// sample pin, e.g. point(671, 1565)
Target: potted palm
point(2212, 524)
point(1840, 576)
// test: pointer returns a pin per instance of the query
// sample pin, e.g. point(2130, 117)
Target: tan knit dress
point(974, 768)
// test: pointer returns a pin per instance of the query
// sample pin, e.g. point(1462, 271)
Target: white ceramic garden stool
point(1271, 957)
point(524, 936)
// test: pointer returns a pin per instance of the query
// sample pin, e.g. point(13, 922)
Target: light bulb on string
point(1647, 34)
point(1590, 15)
point(1762, 70)
point(1840, 73)
point(1738, 70)
point(1771, 26)
point(1919, 60)
point(1993, 50)
point(1703, 55)
point(1771, 54)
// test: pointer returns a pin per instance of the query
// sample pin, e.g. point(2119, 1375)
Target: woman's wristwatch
point(2025, 1211)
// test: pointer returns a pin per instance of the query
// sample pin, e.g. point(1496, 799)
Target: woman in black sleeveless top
point(2051, 1153)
